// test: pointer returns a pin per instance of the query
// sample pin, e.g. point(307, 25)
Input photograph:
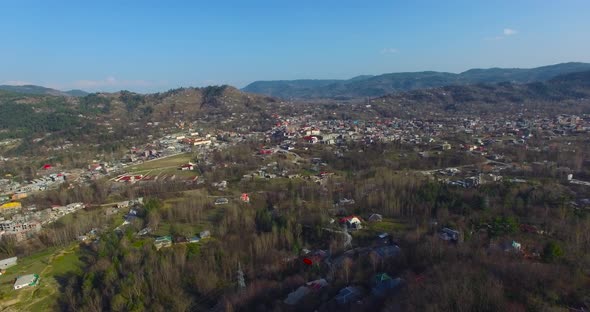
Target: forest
point(125, 272)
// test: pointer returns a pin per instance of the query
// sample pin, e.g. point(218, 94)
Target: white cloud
point(509, 32)
point(389, 51)
point(505, 33)
point(16, 83)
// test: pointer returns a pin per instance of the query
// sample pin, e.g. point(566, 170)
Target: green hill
point(38, 90)
point(371, 86)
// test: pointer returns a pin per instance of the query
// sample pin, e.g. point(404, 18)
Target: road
point(348, 238)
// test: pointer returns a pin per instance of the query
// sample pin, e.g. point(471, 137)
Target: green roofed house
point(163, 241)
point(26, 280)
point(383, 283)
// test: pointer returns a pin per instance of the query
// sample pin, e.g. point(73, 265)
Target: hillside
point(561, 94)
point(104, 118)
point(38, 90)
point(371, 86)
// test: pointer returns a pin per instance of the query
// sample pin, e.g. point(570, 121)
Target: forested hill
point(371, 86)
point(562, 94)
point(33, 116)
point(38, 90)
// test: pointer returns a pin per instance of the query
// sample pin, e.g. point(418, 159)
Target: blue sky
point(147, 46)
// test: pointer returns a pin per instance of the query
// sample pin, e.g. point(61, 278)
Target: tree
point(347, 265)
point(552, 252)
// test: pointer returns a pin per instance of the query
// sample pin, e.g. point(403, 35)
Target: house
point(245, 197)
point(163, 241)
point(19, 195)
point(449, 235)
point(511, 246)
point(316, 256)
point(8, 262)
point(294, 297)
point(348, 295)
point(189, 166)
point(220, 185)
point(26, 281)
point(375, 218)
point(205, 234)
point(352, 222)
point(144, 231)
point(383, 283)
point(346, 202)
point(221, 201)
point(311, 139)
point(388, 251)
point(194, 239)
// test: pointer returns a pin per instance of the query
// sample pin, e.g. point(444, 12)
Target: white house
point(26, 281)
point(8, 262)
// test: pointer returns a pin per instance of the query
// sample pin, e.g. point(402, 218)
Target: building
point(314, 286)
point(20, 230)
point(221, 201)
point(188, 166)
point(205, 234)
point(376, 217)
point(383, 283)
point(20, 195)
point(163, 241)
point(348, 295)
point(7, 263)
point(352, 222)
point(449, 235)
point(10, 206)
point(26, 281)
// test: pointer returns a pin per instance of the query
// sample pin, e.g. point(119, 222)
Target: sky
point(151, 46)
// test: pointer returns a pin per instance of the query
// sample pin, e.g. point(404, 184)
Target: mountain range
point(374, 86)
point(38, 90)
point(567, 93)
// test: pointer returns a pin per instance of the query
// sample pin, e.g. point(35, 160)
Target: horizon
point(148, 47)
point(240, 88)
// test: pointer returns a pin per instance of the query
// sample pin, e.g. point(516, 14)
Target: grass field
point(189, 229)
point(168, 162)
point(50, 264)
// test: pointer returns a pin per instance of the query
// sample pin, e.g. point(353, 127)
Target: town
point(309, 187)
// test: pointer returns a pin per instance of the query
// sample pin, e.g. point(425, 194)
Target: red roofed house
point(311, 139)
point(47, 167)
point(352, 221)
point(189, 166)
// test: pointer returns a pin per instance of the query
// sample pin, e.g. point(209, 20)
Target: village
point(463, 153)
